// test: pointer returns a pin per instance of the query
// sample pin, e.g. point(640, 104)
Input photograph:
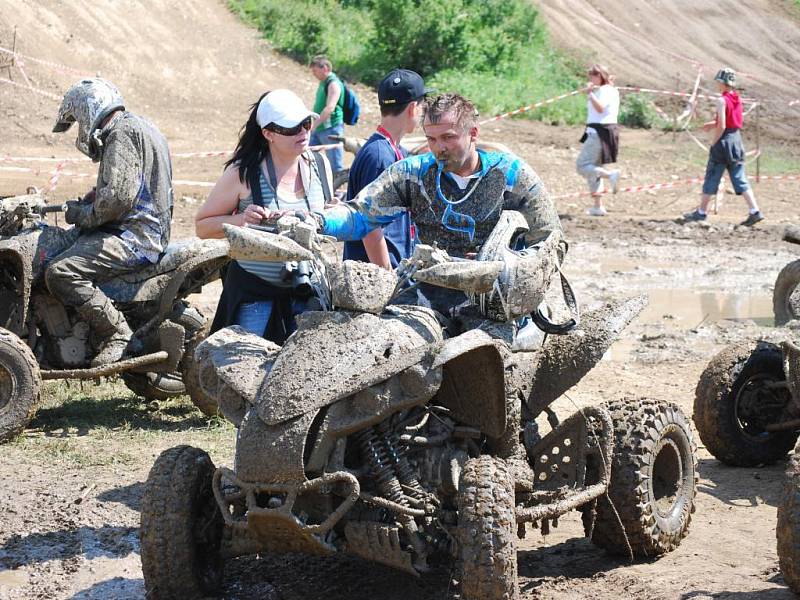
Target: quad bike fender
point(565, 359)
point(337, 354)
point(14, 306)
point(473, 381)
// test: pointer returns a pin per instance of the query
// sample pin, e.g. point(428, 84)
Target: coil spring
point(381, 465)
point(402, 466)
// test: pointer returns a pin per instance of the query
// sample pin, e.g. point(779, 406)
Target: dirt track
point(73, 482)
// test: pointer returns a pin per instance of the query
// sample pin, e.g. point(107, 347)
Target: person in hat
point(400, 94)
point(726, 152)
point(600, 140)
point(271, 170)
point(123, 224)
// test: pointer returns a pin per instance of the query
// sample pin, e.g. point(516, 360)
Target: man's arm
point(119, 182)
point(380, 203)
point(334, 91)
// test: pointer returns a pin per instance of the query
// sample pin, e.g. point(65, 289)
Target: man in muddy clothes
point(123, 224)
point(454, 193)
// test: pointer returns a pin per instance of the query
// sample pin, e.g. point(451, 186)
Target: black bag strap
point(254, 181)
point(323, 176)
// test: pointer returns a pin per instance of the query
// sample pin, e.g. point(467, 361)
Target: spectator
point(329, 103)
point(399, 97)
point(455, 193)
point(271, 171)
point(601, 137)
point(726, 152)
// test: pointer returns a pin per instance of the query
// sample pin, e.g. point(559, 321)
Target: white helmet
point(88, 102)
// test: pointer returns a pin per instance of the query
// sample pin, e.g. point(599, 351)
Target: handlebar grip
point(52, 208)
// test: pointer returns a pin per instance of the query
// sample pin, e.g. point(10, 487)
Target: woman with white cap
point(272, 170)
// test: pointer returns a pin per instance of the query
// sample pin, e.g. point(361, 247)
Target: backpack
point(348, 100)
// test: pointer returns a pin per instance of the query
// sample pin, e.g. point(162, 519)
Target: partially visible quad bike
point(398, 435)
point(786, 295)
point(41, 338)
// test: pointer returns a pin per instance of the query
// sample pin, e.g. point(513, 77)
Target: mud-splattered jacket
point(504, 181)
point(133, 196)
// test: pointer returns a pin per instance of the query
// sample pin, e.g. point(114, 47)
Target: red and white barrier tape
point(47, 63)
point(30, 88)
point(52, 184)
point(530, 107)
point(671, 93)
point(193, 183)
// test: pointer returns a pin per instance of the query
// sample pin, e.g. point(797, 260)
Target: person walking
point(726, 151)
point(271, 171)
point(400, 94)
point(601, 137)
point(328, 127)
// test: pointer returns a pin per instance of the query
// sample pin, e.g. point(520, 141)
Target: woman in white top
point(271, 170)
point(601, 137)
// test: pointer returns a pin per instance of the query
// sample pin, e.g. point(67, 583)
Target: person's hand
point(254, 214)
point(90, 196)
point(589, 87)
point(75, 212)
point(709, 126)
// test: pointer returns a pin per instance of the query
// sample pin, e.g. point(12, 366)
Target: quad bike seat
point(148, 283)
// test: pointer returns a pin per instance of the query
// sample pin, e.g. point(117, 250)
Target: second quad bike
point(786, 295)
point(41, 338)
point(414, 439)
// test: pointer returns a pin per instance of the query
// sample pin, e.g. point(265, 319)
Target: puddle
point(687, 309)
point(12, 578)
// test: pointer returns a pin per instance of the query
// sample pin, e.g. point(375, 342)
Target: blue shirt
point(372, 160)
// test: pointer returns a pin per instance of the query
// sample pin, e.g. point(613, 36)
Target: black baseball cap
point(401, 86)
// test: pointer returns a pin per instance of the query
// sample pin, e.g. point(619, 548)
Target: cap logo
point(396, 80)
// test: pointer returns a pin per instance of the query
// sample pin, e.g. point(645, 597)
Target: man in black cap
point(399, 97)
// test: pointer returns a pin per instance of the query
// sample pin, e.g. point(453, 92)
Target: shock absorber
point(381, 466)
point(396, 453)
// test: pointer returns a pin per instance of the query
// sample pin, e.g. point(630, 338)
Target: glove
point(76, 212)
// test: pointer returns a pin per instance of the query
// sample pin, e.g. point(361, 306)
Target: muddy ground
point(72, 483)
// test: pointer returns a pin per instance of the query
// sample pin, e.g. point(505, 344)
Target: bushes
point(495, 52)
point(636, 111)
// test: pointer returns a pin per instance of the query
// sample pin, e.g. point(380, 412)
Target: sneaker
point(596, 211)
point(613, 179)
point(752, 219)
point(695, 215)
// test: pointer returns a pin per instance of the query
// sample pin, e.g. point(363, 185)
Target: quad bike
point(41, 338)
point(411, 439)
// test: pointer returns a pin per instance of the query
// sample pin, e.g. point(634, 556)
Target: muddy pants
point(94, 258)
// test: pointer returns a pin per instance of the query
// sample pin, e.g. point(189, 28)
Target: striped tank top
point(314, 199)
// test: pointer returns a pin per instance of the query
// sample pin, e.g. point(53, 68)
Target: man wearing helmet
point(124, 222)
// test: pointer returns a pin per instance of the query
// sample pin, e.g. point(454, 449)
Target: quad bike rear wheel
point(181, 527)
point(786, 296)
point(20, 383)
point(161, 386)
point(740, 392)
point(486, 533)
point(650, 499)
point(788, 529)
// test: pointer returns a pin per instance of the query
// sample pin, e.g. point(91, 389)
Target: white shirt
point(608, 96)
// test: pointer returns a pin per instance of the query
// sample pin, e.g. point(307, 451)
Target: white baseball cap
point(284, 108)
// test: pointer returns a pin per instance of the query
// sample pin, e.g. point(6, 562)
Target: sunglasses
point(290, 131)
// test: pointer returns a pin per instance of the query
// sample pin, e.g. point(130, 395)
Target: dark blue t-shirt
point(376, 155)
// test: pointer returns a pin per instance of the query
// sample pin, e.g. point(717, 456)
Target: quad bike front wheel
point(20, 383)
point(486, 536)
point(786, 296)
point(181, 527)
point(741, 391)
point(650, 499)
point(788, 529)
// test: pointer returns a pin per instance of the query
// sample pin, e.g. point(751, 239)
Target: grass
point(105, 425)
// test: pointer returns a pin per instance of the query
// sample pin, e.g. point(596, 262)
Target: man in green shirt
point(328, 104)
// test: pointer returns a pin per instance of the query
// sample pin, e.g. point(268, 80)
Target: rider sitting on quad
point(123, 224)
point(455, 193)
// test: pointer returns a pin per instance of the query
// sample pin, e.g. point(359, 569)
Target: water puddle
point(12, 578)
point(687, 309)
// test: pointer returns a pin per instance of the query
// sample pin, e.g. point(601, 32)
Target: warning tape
point(193, 183)
point(671, 93)
point(30, 88)
point(530, 107)
point(47, 63)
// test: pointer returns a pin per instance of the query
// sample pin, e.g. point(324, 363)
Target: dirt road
point(72, 483)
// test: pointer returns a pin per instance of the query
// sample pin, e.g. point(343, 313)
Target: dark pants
point(94, 258)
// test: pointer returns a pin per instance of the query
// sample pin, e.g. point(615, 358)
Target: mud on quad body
point(41, 338)
point(377, 431)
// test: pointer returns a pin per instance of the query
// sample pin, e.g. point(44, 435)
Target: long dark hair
point(252, 147)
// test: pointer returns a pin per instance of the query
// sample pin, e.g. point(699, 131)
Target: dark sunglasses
point(289, 131)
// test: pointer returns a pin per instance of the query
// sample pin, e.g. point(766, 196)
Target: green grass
point(495, 52)
point(99, 425)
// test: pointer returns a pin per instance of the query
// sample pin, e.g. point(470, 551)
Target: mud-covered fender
point(473, 381)
point(14, 303)
point(333, 355)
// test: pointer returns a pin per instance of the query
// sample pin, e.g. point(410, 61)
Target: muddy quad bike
point(41, 338)
point(410, 439)
point(786, 296)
